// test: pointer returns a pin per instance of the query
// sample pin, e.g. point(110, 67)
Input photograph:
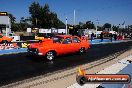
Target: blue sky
point(111, 11)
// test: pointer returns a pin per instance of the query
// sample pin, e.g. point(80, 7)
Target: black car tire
point(81, 50)
point(50, 55)
point(4, 41)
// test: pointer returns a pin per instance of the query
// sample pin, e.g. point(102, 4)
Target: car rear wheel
point(81, 50)
point(4, 41)
point(50, 55)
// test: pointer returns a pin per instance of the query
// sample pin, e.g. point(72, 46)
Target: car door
point(58, 46)
point(76, 43)
point(67, 45)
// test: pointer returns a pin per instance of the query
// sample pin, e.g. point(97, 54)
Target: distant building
point(52, 30)
point(5, 24)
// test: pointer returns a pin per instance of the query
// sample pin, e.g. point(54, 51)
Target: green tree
point(42, 16)
point(81, 25)
point(14, 27)
point(22, 26)
point(13, 22)
point(107, 25)
point(89, 25)
point(22, 20)
point(115, 28)
point(130, 27)
point(100, 28)
point(35, 12)
point(12, 18)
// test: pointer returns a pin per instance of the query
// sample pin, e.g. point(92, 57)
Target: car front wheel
point(50, 55)
point(81, 50)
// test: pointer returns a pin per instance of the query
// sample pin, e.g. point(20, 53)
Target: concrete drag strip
point(12, 51)
point(109, 42)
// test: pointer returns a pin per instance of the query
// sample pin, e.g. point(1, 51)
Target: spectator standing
point(62, 33)
point(92, 36)
point(115, 36)
point(111, 36)
point(101, 36)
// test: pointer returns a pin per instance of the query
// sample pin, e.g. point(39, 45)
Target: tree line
point(43, 17)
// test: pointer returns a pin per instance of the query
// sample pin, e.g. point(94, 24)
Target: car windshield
point(57, 39)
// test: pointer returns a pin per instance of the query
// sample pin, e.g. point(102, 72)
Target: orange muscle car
point(58, 45)
point(4, 39)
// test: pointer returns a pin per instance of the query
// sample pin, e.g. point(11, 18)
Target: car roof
point(64, 35)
